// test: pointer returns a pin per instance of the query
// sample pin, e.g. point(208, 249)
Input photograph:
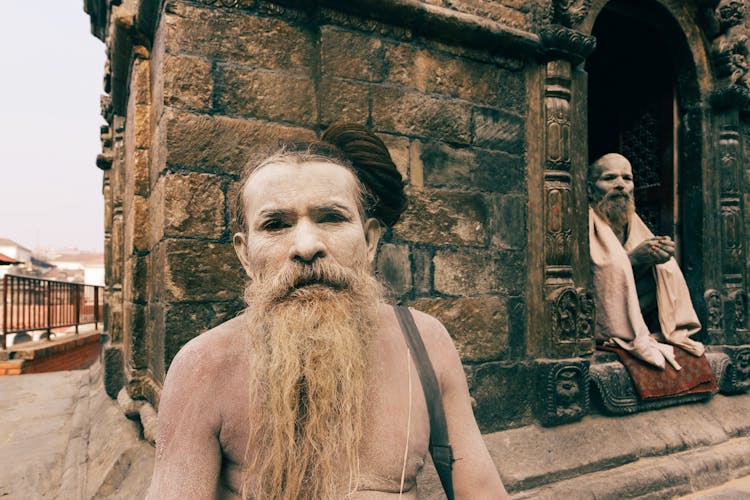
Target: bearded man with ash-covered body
point(311, 392)
point(642, 301)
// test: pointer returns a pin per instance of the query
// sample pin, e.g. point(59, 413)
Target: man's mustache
point(296, 275)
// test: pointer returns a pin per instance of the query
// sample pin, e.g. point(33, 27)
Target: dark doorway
point(632, 108)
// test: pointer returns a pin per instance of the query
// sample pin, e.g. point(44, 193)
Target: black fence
point(31, 304)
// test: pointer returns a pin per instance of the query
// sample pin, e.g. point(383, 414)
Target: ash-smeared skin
point(204, 422)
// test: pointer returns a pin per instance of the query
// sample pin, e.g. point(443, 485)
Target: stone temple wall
point(482, 105)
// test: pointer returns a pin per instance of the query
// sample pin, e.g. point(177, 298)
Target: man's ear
point(373, 232)
point(240, 248)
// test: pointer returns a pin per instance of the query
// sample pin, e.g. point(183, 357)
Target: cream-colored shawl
point(618, 313)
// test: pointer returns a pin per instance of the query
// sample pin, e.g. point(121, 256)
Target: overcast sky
point(52, 69)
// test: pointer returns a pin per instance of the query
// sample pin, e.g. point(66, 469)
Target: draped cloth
point(618, 315)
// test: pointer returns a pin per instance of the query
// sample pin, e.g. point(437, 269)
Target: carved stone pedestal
point(563, 390)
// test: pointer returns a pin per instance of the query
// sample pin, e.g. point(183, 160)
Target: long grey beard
point(616, 211)
point(309, 344)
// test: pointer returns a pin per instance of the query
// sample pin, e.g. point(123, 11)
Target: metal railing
point(33, 304)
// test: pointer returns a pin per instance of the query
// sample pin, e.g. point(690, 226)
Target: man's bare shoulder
point(437, 340)
point(213, 349)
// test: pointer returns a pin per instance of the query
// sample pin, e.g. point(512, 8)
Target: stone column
point(561, 305)
point(726, 304)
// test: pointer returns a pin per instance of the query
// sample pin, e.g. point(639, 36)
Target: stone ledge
point(533, 456)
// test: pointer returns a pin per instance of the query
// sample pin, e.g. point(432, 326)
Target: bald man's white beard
point(615, 208)
point(309, 344)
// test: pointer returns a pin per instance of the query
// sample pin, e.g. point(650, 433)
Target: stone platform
point(61, 436)
point(656, 454)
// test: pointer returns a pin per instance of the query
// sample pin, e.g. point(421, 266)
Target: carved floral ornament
point(570, 13)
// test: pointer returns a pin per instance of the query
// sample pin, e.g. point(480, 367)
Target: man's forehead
point(614, 163)
point(284, 185)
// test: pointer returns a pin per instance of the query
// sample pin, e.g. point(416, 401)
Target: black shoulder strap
point(440, 449)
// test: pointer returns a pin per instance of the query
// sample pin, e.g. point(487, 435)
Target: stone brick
point(462, 168)
point(193, 205)
point(447, 166)
point(508, 221)
point(495, 129)
point(156, 328)
point(140, 81)
point(500, 172)
point(398, 147)
point(504, 394)
point(114, 374)
point(156, 212)
point(134, 328)
point(140, 172)
point(416, 167)
point(442, 217)
point(142, 126)
point(430, 71)
point(200, 270)
point(218, 143)
point(394, 268)
point(237, 36)
point(267, 94)
point(343, 101)
point(472, 272)
point(187, 320)
point(415, 114)
point(353, 55)
point(187, 81)
point(422, 277)
point(135, 284)
point(479, 326)
point(140, 234)
point(507, 12)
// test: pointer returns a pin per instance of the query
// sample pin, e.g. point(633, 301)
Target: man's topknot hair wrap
point(374, 168)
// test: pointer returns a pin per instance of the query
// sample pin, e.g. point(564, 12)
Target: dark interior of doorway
point(632, 108)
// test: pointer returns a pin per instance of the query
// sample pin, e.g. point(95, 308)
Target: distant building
point(75, 266)
point(14, 258)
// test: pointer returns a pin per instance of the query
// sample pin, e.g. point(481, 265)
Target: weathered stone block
point(135, 286)
point(495, 129)
point(394, 268)
point(140, 234)
point(508, 221)
point(187, 81)
point(503, 394)
point(353, 55)
point(430, 71)
point(469, 272)
point(343, 101)
point(200, 270)
point(140, 172)
point(398, 147)
point(219, 143)
point(500, 172)
point(562, 390)
point(237, 36)
point(156, 212)
point(156, 329)
point(422, 276)
point(134, 327)
point(479, 326)
point(445, 166)
point(142, 126)
point(443, 217)
point(114, 371)
point(508, 12)
point(194, 205)
point(415, 114)
point(267, 94)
